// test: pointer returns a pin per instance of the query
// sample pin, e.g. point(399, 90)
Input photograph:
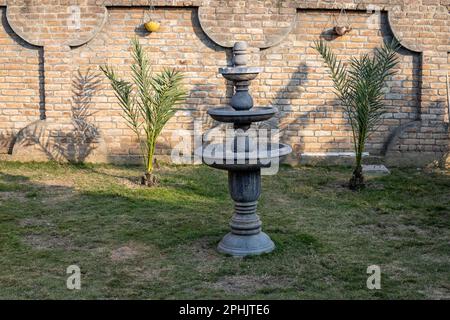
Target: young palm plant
point(148, 103)
point(359, 86)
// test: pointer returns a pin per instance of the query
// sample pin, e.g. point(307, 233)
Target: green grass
point(134, 242)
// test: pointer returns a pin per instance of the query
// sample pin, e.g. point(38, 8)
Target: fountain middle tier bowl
point(240, 73)
point(215, 155)
point(245, 117)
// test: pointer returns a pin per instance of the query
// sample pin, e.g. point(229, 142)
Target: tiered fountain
point(243, 159)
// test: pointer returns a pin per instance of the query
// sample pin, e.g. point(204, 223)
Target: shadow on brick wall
point(419, 143)
point(7, 139)
point(292, 90)
point(73, 142)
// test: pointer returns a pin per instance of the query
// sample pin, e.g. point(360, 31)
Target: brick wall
point(48, 66)
point(20, 84)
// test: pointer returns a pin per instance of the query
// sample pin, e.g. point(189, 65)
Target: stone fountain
point(243, 158)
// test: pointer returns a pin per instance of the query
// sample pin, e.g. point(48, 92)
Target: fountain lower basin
point(215, 156)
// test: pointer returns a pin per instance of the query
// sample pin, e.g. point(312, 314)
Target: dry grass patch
point(47, 241)
point(247, 284)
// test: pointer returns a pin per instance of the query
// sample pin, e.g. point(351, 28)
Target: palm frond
point(168, 94)
point(123, 91)
point(338, 71)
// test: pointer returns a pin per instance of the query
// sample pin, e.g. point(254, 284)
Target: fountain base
point(244, 245)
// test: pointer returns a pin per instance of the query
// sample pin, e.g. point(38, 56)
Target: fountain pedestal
point(244, 160)
point(246, 237)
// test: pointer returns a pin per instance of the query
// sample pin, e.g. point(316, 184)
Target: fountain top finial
point(240, 54)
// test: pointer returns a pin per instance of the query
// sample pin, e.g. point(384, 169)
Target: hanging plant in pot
point(341, 24)
point(150, 24)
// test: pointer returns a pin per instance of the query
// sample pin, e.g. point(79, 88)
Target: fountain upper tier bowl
point(244, 117)
point(240, 73)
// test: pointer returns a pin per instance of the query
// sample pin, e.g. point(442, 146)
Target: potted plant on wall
point(148, 103)
point(341, 24)
point(150, 24)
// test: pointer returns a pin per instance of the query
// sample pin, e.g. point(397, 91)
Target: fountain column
point(246, 237)
point(241, 100)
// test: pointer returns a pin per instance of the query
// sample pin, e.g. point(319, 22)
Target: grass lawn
point(134, 242)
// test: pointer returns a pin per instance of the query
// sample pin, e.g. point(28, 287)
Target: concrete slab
point(375, 169)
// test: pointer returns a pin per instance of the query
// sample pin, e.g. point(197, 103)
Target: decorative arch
point(66, 25)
